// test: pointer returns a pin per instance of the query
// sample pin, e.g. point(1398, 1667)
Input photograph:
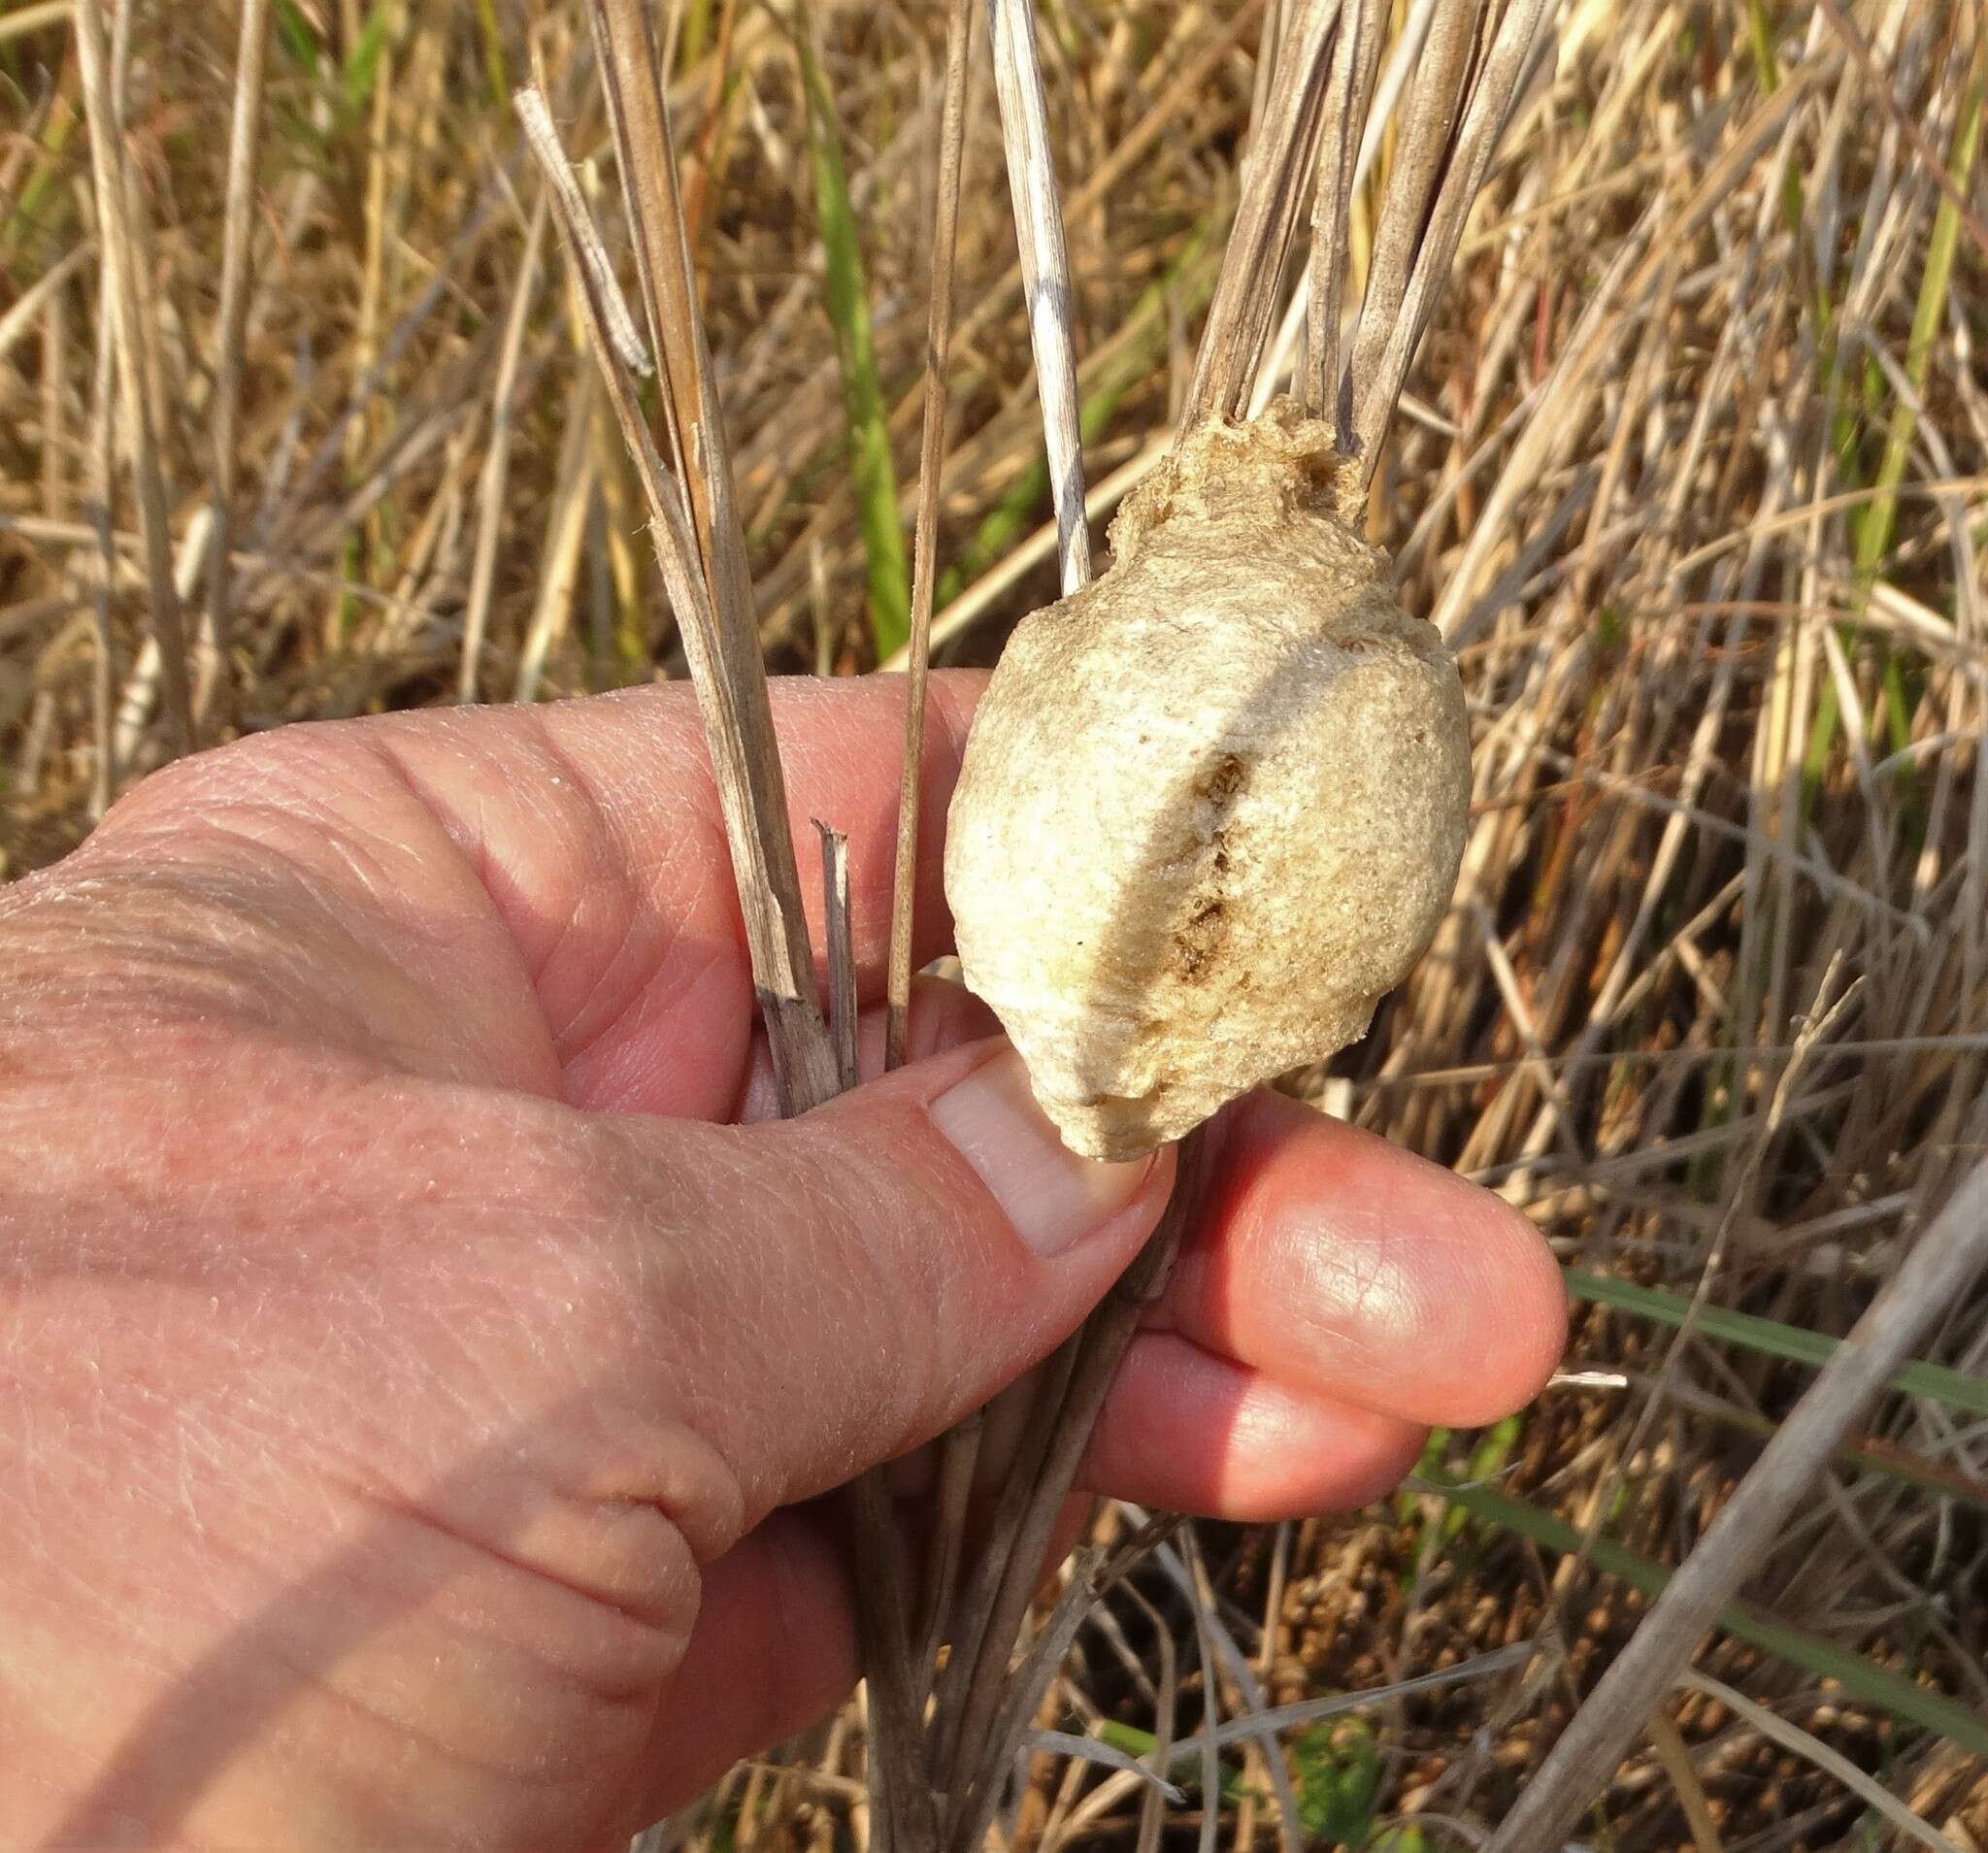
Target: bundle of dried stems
point(944, 1737)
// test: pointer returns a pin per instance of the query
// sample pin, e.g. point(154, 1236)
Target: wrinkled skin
point(421, 1363)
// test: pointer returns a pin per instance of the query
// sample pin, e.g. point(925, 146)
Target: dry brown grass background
point(1695, 478)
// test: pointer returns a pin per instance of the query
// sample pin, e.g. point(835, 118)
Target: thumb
point(844, 1286)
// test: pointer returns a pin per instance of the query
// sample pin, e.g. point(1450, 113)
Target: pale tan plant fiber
point(122, 256)
point(244, 135)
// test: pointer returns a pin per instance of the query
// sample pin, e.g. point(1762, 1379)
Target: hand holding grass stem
point(732, 695)
point(951, 1802)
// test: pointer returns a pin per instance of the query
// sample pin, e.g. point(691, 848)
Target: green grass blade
point(361, 68)
point(1874, 531)
point(1760, 39)
point(1135, 1742)
point(42, 207)
point(1859, 1679)
point(1873, 528)
point(863, 410)
point(494, 70)
point(1772, 1338)
point(692, 33)
point(1936, 282)
point(297, 35)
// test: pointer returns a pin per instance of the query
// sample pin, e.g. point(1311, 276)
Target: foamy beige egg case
point(1213, 803)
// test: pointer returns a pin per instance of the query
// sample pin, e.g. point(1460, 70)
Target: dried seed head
point(1213, 804)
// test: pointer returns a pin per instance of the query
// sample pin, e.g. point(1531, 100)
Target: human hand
point(420, 1355)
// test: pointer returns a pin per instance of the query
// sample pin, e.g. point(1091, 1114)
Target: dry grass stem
point(625, 50)
point(1429, 116)
point(1044, 271)
point(1874, 1795)
point(1275, 182)
point(1387, 341)
point(1068, 1401)
point(737, 715)
point(959, 1449)
point(490, 487)
point(40, 296)
point(122, 261)
point(925, 544)
point(1670, 1752)
point(245, 131)
point(37, 16)
point(1355, 61)
point(1943, 1263)
point(807, 1068)
point(841, 958)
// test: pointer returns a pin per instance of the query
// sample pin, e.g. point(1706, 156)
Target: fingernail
point(1053, 1198)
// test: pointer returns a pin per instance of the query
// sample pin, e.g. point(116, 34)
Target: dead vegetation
point(1695, 478)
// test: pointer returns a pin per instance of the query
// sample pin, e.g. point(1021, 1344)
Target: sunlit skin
point(424, 1355)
